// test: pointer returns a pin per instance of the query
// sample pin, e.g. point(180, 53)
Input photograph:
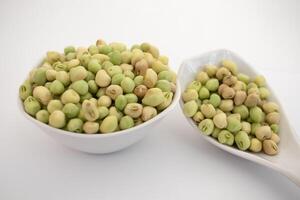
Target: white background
point(173, 162)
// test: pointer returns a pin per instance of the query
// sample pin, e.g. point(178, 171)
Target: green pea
point(90, 110)
point(85, 59)
point(69, 49)
point(71, 110)
point(158, 66)
point(206, 126)
point(106, 65)
point(131, 98)
point(92, 86)
point(195, 85)
point(138, 80)
point(86, 96)
point(202, 77)
point(25, 90)
point(216, 132)
point(126, 122)
point(244, 78)
point(148, 113)
point(113, 91)
point(254, 127)
point(190, 94)
point(63, 77)
point(113, 70)
point(104, 49)
point(121, 102)
point(165, 75)
point(233, 125)
point(103, 112)
point(126, 56)
point(51, 74)
point(59, 66)
point(246, 126)
point(52, 56)
point(212, 84)
point(242, 110)
point(275, 128)
point(57, 87)
point(270, 107)
point(225, 137)
point(81, 87)
point(150, 78)
point(127, 85)
point(90, 127)
point(190, 108)
point(153, 97)
point(75, 125)
point(104, 101)
point(260, 81)
point(230, 65)
point(31, 105)
point(264, 93)
point(100, 92)
point(39, 76)
point(203, 93)
point(242, 140)
point(42, 116)
point(78, 73)
point(54, 105)
point(164, 85)
point(211, 70)
point(94, 66)
point(57, 119)
point(102, 78)
point(70, 96)
point(118, 46)
point(115, 57)
point(256, 114)
point(133, 110)
point(226, 105)
point(208, 110)
point(215, 100)
point(220, 120)
point(93, 49)
point(117, 78)
point(129, 74)
point(168, 97)
point(109, 124)
point(256, 145)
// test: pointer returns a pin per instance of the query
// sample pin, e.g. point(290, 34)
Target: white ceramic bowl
point(102, 143)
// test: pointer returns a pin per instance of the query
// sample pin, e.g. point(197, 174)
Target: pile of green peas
point(99, 89)
point(233, 108)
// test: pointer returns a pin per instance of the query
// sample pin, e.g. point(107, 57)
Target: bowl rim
point(175, 101)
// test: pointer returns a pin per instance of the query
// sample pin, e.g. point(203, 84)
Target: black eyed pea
point(270, 147)
point(140, 91)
